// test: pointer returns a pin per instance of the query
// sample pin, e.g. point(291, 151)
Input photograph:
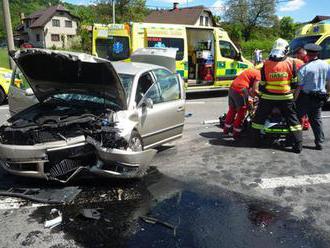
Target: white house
point(49, 28)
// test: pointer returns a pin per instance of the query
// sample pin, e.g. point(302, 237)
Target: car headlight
point(7, 75)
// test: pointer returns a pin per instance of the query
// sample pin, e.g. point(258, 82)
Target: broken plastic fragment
point(90, 213)
point(57, 219)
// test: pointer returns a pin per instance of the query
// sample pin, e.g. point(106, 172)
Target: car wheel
point(135, 142)
point(2, 96)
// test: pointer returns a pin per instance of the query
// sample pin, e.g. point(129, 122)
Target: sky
point(299, 10)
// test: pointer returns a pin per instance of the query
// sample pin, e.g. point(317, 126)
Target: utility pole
point(9, 30)
point(113, 11)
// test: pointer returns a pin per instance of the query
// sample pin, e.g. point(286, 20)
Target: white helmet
point(280, 48)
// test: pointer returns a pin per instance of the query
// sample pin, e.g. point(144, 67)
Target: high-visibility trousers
point(288, 111)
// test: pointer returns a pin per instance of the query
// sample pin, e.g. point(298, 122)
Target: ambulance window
point(302, 41)
point(114, 48)
point(168, 43)
point(227, 50)
point(325, 53)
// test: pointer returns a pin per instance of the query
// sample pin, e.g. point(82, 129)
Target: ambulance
point(318, 33)
point(206, 57)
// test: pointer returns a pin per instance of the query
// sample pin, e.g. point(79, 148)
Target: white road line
point(4, 107)
point(195, 102)
point(325, 116)
point(293, 181)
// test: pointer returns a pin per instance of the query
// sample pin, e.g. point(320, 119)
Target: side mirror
point(147, 102)
point(29, 92)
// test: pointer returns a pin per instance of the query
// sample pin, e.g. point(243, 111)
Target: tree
point(126, 10)
point(287, 28)
point(250, 14)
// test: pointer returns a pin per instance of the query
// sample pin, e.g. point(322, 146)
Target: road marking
point(14, 203)
point(195, 102)
point(4, 107)
point(325, 116)
point(211, 122)
point(293, 181)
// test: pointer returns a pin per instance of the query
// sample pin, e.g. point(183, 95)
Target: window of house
point(56, 23)
point(55, 37)
point(37, 37)
point(201, 21)
point(206, 21)
point(68, 24)
point(227, 50)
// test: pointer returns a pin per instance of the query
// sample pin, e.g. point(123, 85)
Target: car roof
point(133, 68)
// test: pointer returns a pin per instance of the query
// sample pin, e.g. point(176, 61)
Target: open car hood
point(53, 72)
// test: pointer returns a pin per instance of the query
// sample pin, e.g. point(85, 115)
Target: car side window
point(325, 53)
point(227, 50)
point(146, 86)
point(170, 88)
point(160, 73)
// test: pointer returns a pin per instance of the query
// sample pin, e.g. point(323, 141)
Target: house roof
point(41, 17)
point(186, 16)
point(319, 18)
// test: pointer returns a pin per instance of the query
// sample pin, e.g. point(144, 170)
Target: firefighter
point(244, 85)
point(278, 75)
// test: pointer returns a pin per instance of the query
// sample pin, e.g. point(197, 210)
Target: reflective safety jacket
point(278, 78)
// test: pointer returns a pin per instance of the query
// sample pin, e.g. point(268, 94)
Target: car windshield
point(84, 99)
point(114, 48)
point(302, 41)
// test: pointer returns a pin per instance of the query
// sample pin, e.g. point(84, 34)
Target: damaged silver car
point(92, 115)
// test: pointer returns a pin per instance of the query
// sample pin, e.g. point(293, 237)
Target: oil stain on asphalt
point(161, 212)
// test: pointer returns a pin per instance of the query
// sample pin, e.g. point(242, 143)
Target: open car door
point(157, 56)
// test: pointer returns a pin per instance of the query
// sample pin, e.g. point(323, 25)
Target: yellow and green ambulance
point(318, 33)
point(5, 77)
point(206, 58)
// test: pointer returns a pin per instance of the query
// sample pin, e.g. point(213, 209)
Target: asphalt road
point(210, 191)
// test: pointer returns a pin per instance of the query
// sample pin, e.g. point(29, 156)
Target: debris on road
point(152, 220)
point(90, 213)
point(210, 122)
point(120, 193)
point(188, 115)
point(46, 196)
point(56, 219)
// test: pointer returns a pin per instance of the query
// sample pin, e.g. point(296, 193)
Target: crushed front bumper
point(36, 160)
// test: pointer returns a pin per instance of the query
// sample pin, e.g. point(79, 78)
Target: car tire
point(2, 96)
point(135, 142)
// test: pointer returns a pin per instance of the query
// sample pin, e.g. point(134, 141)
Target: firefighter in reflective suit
point(278, 76)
